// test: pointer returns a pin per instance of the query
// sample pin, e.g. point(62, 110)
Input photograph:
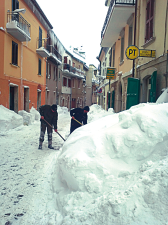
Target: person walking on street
point(49, 117)
point(80, 115)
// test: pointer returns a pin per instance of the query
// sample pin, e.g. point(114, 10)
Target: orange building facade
point(23, 52)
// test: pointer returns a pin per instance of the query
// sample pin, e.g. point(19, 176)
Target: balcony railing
point(42, 48)
point(69, 68)
point(52, 50)
point(112, 4)
point(14, 19)
point(75, 71)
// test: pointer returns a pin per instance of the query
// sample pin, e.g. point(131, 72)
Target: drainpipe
point(165, 42)
point(134, 35)
point(165, 28)
point(21, 80)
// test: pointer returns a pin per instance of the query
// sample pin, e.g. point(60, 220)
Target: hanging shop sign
point(110, 73)
point(132, 52)
point(147, 53)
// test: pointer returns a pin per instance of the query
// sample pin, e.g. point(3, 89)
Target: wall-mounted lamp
point(20, 10)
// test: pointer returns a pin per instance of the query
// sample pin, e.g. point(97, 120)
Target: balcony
point(54, 55)
point(42, 48)
point(118, 13)
point(18, 27)
point(72, 71)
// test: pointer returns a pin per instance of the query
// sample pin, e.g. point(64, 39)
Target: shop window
point(14, 53)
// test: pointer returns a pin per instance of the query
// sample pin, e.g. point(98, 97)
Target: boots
point(40, 147)
point(50, 146)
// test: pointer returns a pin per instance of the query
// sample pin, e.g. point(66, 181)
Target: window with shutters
point(69, 83)
point(40, 37)
point(149, 20)
point(14, 53)
point(122, 48)
point(39, 67)
point(15, 4)
point(64, 81)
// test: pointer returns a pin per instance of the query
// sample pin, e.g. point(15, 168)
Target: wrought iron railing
point(20, 21)
point(42, 43)
point(112, 4)
point(52, 50)
point(69, 68)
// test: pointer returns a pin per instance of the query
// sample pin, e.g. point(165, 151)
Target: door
point(74, 103)
point(38, 100)
point(12, 98)
point(26, 99)
point(40, 37)
point(153, 87)
point(133, 89)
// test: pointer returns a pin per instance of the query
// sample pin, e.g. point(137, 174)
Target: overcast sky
point(77, 23)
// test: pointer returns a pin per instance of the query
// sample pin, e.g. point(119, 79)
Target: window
point(64, 81)
point(149, 20)
point(78, 83)
point(59, 75)
point(15, 4)
point(73, 64)
point(49, 72)
point(113, 61)
point(73, 83)
point(69, 83)
point(122, 49)
point(65, 59)
point(39, 67)
point(55, 73)
point(14, 53)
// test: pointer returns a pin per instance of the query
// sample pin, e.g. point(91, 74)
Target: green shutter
point(133, 89)
point(108, 100)
point(113, 99)
point(153, 87)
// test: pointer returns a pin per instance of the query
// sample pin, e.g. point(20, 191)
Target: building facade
point(23, 27)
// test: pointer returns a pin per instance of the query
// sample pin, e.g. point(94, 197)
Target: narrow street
point(20, 158)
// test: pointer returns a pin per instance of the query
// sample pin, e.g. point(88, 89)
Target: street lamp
point(20, 10)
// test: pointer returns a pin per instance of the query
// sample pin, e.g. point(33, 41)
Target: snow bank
point(28, 118)
point(35, 114)
point(9, 119)
point(115, 170)
point(163, 98)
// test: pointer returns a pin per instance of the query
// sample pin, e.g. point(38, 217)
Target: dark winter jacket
point(50, 116)
point(79, 115)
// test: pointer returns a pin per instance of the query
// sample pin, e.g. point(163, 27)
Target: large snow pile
point(9, 119)
point(115, 170)
point(96, 112)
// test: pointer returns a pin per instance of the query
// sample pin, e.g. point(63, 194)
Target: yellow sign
point(147, 53)
point(110, 73)
point(132, 52)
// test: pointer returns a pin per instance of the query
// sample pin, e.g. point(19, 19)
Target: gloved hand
point(55, 130)
point(42, 117)
point(73, 117)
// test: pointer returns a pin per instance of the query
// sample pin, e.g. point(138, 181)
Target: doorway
point(38, 99)
point(13, 102)
point(26, 99)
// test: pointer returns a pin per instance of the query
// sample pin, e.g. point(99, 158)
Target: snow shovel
point(78, 122)
point(53, 128)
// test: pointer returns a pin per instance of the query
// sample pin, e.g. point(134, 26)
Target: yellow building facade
point(23, 30)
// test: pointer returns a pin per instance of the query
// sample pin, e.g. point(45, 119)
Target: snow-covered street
point(112, 171)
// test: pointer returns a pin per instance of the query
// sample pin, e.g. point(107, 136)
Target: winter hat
point(54, 107)
point(86, 108)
